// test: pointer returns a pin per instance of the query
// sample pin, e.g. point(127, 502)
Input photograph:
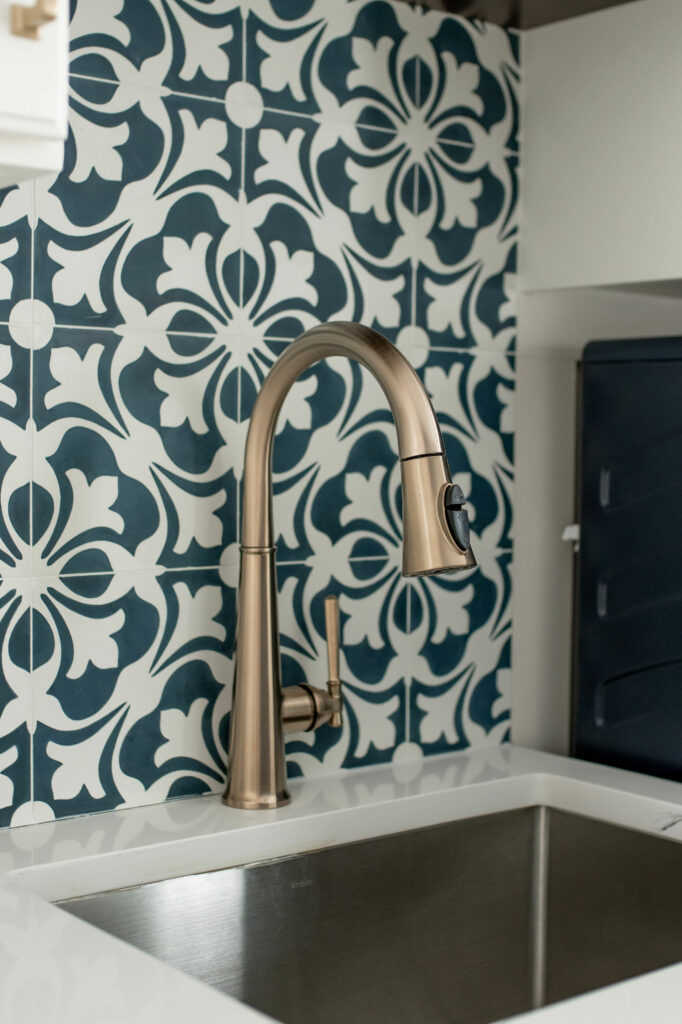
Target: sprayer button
point(456, 517)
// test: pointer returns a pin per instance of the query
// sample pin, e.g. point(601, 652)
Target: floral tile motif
point(324, 240)
point(470, 80)
point(153, 241)
point(400, 640)
point(466, 273)
point(471, 307)
point(416, 72)
point(15, 699)
point(133, 461)
point(15, 452)
point(473, 398)
point(302, 64)
point(234, 175)
point(131, 678)
point(185, 47)
point(336, 468)
point(452, 710)
point(16, 213)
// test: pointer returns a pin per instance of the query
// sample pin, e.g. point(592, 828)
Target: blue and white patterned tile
point(466, 251)
point(15, 451)
point(154, 239)
point(16, 218)
point(338, 522)
point(473, 395)
point(315, 58)
point(374, 689)
point(462, 696)
point(336, 468)
point(323, 239)
point(131, 680)
point(410, 647)
point(192, 47)
point(418, 73)
point(15, 700)
point(234, 176)
point(470, 80)
point(137, 452)
point(291, 278)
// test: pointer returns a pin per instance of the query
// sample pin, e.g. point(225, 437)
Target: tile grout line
point(160, 570)
point(31, 364)
point(225, 333)
point(317, 119)
point(408, 692)
point(415, 200)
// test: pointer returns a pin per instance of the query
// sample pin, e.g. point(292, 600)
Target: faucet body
point(433, 541)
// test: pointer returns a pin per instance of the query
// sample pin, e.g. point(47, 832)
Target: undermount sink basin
point(466, 922)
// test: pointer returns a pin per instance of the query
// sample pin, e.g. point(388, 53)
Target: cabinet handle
point(27, 20)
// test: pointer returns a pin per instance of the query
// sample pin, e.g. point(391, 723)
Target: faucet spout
point(435, 539)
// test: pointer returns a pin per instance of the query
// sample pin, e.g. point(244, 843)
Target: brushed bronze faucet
point(435, 539)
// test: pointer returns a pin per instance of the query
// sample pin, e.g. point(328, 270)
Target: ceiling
point(521, 13)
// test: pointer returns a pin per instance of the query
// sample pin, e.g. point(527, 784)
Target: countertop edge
point(129, 847)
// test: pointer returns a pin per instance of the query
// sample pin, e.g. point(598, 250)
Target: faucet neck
point(415, 421)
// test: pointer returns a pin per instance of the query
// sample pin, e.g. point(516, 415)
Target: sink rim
point(197, 834)
point(129, 847)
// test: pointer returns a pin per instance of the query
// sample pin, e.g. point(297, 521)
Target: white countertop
point(55, 969)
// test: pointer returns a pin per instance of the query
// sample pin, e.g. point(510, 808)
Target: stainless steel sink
point(466, 922)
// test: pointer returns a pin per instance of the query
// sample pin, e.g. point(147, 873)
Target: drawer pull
point(27, 20)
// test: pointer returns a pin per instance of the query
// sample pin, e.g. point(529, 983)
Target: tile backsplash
point(236, 173)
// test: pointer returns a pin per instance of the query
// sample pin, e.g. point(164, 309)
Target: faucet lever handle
point(333, 630)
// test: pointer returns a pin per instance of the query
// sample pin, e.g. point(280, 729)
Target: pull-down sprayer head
point(435, 524)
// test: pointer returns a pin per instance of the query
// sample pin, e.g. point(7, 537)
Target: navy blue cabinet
point(628, 642)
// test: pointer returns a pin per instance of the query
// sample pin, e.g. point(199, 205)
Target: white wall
point(601, 203)
point(553, 328)
point(602, 147)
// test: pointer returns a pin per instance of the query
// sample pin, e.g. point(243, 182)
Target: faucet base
point(263, 804)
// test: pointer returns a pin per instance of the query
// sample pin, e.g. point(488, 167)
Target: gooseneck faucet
point(435, 539)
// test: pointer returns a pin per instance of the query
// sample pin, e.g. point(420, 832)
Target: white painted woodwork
point(602, 148)
point(33, 97)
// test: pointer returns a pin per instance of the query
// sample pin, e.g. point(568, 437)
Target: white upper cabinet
point(601, 157)
point(33, 91)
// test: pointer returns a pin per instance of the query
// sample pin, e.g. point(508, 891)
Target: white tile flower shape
point(16, 216)
point(131, 677)
point(374, 62)
point(416, 147)
point(132, 469)
point(15, 457)
point(15, 697)
point(318, 246)
point(192, 47)
point(426, 80)
point(155, 226)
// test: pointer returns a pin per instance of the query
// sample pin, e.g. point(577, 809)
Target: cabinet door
point(33, 96)
point(602, 150)
point(628, 709)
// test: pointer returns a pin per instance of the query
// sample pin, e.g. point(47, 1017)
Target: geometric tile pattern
point(235, 174)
